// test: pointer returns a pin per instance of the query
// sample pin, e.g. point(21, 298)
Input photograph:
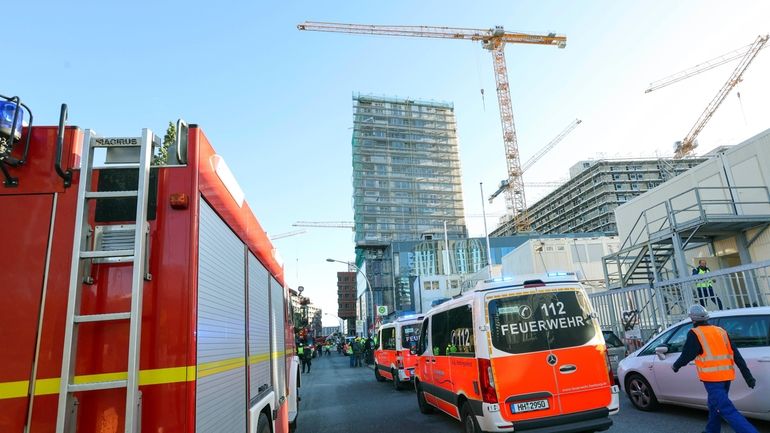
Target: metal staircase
point(135, 152)
point(654, 247)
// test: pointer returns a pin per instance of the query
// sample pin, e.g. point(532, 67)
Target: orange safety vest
point(715, 364)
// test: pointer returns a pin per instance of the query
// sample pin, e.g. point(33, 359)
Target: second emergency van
point(523, 354)
point(394, 358)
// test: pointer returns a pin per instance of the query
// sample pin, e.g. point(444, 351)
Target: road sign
point(360, 327)
point(382, 310)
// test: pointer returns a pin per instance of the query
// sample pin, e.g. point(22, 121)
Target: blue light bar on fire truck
point(8, 110)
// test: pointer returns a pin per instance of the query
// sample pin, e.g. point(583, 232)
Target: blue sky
point(276, 102)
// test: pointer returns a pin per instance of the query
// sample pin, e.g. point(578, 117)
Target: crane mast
point(493, 40)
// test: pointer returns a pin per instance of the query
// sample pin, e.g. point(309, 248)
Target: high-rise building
point(406, 182)
point(406, 170)
point(586, 202)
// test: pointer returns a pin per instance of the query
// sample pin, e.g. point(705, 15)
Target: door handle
point(764, 359)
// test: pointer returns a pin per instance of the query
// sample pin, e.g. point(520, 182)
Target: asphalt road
point(340, 399)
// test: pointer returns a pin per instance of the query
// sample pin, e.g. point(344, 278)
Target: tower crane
point(326, 224)
point(746, 54)
point(700, 67)
point(288, 234)
point(536, 157)
point(493, 40)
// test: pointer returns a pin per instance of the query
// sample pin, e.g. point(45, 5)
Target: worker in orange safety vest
point(715, 358)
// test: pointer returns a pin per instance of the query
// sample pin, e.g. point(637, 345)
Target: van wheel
point(377, 374)
point(263, 424)
point(640, 393)
point(396, 381)
point(421, 403)
point(470, 423)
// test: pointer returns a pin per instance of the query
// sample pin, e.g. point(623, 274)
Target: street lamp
point(342, 327)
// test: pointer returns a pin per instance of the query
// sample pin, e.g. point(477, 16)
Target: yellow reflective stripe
point(716, 358)
point(703, 342)
point(51, 385)
point(47, 386)
point(14, 389)
point(717, 368)
point(214, 367)
point(256, 359)
point(155, 376)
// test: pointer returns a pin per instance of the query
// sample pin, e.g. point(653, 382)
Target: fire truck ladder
point(83, 254)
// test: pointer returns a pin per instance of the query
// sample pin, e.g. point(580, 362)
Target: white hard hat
point(698, 313)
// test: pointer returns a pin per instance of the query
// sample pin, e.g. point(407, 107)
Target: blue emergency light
point(8, 130)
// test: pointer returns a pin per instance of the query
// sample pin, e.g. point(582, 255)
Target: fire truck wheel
point(470, 424)
point(263, 424)
point(396, 381)
point(377, 374)
point(421, 403)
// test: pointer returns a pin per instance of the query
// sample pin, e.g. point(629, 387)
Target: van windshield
point(409, 336)
point(541, 321)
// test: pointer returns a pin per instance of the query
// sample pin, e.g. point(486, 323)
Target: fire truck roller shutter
point(259, 330)
point(221, 377)
point(277, 326)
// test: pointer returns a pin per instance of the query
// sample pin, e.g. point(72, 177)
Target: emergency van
point(523, 354)
point(393, 355)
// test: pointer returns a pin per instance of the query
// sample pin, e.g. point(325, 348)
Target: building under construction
point(406, 170)
point(406, 182)
point(586, 202)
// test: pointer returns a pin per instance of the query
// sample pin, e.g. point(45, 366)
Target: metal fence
point(637, 313)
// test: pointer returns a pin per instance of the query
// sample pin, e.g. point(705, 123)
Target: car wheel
point(470, 423)
point(263, 424)
point(421, 403)
point(641, 394)
point(377, 374)
point(396, 382)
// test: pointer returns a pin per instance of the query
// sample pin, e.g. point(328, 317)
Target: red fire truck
point(137, 296)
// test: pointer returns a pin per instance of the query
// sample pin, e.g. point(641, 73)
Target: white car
point(648, 379)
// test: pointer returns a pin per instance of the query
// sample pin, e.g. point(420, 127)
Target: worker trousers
point(720, 407)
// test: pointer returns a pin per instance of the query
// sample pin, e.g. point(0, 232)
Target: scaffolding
point(406, 170)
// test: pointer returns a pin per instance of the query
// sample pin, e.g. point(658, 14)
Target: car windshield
point(409, 335)
point(611, 339)
point(541, 321)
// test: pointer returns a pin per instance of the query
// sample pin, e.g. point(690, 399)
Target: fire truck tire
point(396, 381)
point(263, 424)
point(421, 403)
point(470, 423)
point(377, 374)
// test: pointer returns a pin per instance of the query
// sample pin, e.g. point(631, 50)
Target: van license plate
point(529, 406)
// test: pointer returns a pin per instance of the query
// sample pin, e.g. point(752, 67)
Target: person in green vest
point(305, 355)
point(705, 287)
point(451, 348)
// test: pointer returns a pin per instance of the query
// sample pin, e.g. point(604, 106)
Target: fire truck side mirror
point(181, 141)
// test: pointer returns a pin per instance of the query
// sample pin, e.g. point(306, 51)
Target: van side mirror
point(661, 352)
